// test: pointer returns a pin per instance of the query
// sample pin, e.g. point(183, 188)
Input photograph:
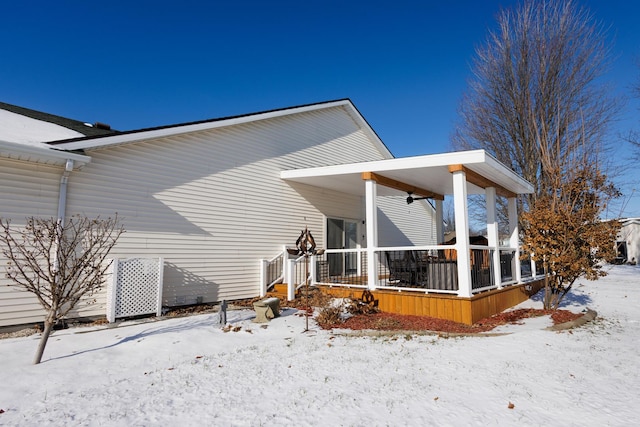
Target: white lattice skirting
point(135, 288)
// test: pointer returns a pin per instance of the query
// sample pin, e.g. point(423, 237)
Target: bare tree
point(59, 264)
point(537, 87)
point(634, 136)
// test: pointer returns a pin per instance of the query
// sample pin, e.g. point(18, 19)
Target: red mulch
point(398, 322)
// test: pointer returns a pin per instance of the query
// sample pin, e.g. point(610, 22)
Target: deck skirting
point(444, 306)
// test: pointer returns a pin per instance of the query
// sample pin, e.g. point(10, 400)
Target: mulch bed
point(399, 322)
point(376, 321)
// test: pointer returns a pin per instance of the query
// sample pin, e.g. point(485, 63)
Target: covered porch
point(444, 275)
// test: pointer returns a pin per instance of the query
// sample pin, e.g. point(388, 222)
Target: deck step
point(280, 290)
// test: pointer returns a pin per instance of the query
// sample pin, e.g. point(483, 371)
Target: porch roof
point(431, 173)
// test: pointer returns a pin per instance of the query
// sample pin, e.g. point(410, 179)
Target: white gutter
point(40, 154)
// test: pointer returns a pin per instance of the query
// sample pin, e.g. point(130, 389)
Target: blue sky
point(136, 64)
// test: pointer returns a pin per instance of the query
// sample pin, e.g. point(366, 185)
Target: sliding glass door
point(342, 234)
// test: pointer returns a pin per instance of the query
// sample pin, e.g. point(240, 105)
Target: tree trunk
point(48, 326)
point(546, 303)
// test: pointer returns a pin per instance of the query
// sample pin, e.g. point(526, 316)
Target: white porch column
point(439, 222)
point(291, 274)
point(514, 240)
point(462, 233)
point(371, 215)
point(533, 269)
point(493, 233)
point(263, 277)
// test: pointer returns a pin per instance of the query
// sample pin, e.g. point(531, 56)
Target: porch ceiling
point(429, 172)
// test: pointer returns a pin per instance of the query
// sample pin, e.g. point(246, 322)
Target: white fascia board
point(364, 125)
point(487, 166)
point(41, 155)
point(182, 129)
point(524, 186)
point(403, 163)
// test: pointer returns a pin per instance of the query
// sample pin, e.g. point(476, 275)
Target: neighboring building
point(628, 241)
point(214, 198)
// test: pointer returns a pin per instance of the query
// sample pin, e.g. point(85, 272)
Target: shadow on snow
point(205, 322)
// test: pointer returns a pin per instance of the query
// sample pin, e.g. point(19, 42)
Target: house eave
point(41, 155)
point(168, 131)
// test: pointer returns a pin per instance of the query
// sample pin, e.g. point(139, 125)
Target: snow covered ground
point(187, 371)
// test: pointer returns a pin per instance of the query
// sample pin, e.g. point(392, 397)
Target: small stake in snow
point(306, 246)
point(222, 314)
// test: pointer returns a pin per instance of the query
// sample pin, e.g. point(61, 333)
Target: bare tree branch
point(536, 86)
point(58, 263)
point(536, 101)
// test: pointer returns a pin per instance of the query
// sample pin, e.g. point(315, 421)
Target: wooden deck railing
point(429, 269)
point(271, 272)
point(421, 268)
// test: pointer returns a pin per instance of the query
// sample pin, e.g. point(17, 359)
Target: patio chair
point(401, 269)
point(422, 261)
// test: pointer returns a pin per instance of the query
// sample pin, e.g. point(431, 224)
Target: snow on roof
point(26, 130)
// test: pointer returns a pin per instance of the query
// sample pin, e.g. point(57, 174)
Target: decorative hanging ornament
point(306, 244)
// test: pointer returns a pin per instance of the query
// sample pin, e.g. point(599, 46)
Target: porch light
point(410, 199)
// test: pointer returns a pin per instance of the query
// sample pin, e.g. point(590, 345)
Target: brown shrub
point(329, 317)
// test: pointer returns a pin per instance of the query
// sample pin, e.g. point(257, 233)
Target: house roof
point(425, 175)
point(24, 134)
point(75, 125)
point(94, 142)
point(100, 138)
point(428, 175)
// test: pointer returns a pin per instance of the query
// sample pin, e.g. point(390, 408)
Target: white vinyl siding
point(401, 224)
point(26, 190)
point(212, 203)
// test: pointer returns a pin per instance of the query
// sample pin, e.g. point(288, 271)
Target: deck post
point(439, 222)
point(291, 279)
point(371, 215)
point(514, 238)
point(263, 277)
point(313, 269)
point(533, 270)
point(492, 234)
point(462, 232)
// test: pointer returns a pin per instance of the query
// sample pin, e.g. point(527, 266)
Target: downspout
point(62, 207)
point(62, 195)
